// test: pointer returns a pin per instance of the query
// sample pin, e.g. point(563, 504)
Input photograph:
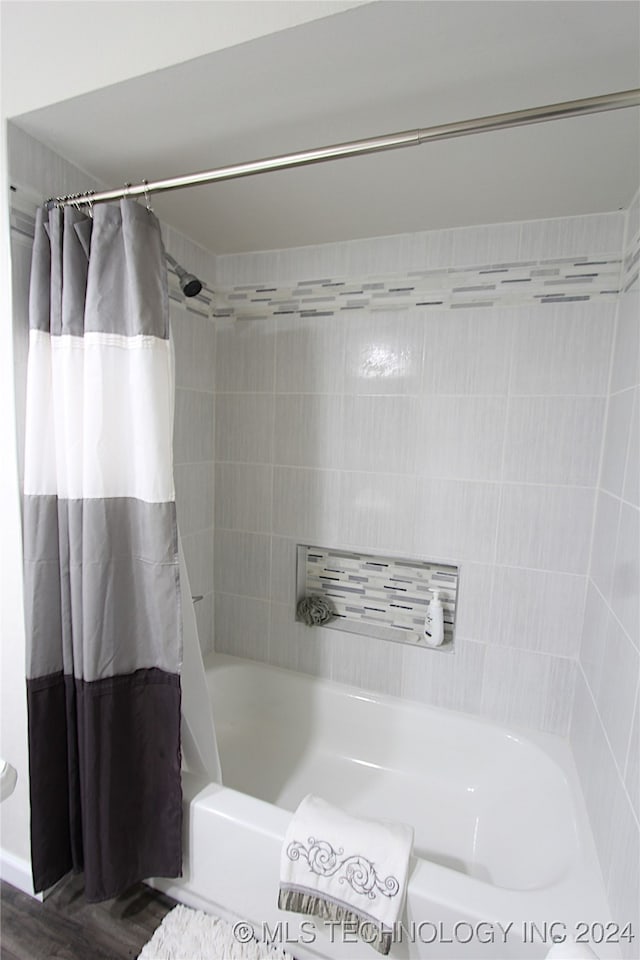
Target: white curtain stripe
point(117, 446)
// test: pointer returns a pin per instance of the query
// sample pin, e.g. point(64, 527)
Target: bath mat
point(187, 934)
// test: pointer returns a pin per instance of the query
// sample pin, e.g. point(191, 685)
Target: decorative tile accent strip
point(501, 284)
point(379, 596)
point(564, 280)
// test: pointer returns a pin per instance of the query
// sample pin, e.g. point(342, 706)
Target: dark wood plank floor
point(66, 927)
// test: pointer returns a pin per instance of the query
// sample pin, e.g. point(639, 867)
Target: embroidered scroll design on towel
point(359, 872)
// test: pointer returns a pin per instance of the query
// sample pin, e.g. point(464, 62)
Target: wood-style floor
point(65, 927)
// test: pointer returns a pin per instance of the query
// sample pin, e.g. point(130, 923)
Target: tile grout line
point(610, 749)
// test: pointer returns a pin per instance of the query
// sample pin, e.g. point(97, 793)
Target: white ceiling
point(374, 69)
point(147, 35)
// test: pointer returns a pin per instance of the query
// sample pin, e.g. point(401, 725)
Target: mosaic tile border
point(566, 280)
point(379, 596)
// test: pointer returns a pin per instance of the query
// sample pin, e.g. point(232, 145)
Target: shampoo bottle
point(434, 622)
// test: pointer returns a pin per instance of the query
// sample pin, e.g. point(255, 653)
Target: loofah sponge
point(315, 611)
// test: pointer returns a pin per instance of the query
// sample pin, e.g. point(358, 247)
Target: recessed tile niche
point(383, 597)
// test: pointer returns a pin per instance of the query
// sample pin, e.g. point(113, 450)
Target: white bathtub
point(502, 846)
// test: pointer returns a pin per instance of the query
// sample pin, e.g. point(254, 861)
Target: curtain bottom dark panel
point(51, 850)
point(106, 792)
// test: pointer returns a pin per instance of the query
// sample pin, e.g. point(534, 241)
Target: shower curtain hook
point(88, 203)
point(125, 193)
point(145, 184)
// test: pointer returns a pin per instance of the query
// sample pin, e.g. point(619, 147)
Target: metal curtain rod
point(408, 138)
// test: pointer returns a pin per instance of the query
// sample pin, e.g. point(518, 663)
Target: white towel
point(343, 868)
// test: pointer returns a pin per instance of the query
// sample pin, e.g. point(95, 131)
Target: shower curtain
point(102, 587)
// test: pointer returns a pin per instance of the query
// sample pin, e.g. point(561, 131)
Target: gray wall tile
point(243, 563)
point(243, 497)
point(538, 611)
point(563, 349)
point(244, 427)
point(548, 528)
point(554, 440)
point(528, 689)
point(616, 447)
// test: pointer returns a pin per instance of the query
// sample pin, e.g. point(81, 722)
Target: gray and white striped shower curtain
point(102, 588)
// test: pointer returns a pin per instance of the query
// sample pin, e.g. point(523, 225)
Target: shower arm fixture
point(409, 138)
point(189, 284)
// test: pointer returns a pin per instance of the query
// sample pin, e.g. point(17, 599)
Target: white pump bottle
point(434, 622)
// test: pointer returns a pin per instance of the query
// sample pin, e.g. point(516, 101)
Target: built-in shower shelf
point(379, 596)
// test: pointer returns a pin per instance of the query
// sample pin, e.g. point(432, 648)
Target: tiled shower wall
point(605, 722)
point(470, 434)
point(38, 174)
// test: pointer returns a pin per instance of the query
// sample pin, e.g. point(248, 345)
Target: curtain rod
point(392, 141)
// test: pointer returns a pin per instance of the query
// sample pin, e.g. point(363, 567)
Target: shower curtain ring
point(145, 184)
